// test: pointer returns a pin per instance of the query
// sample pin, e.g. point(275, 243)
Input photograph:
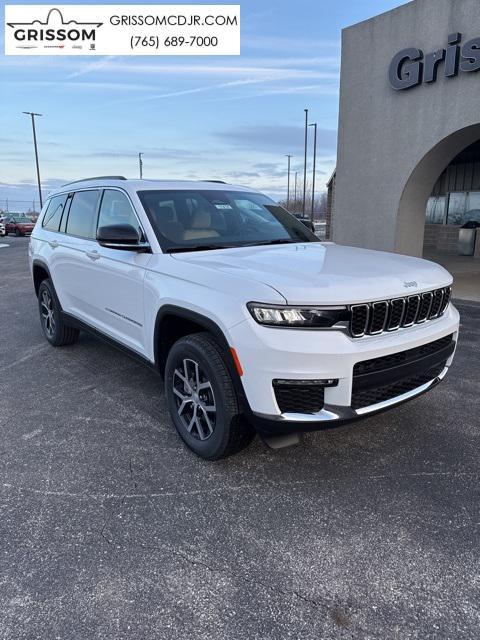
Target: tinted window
point(116, 209)
point(82, 214)
point(54, 212)
point(215, 219)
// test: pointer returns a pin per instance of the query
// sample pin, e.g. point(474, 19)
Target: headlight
point(307, 317)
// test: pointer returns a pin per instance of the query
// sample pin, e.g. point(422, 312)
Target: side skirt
point(71, 321)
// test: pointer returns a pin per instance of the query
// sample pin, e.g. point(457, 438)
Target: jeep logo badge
point(408, 285)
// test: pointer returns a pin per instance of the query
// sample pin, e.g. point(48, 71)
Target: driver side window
point(116, 209)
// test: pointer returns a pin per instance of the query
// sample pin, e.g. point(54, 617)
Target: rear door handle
point(93, 255)
point(53, 244)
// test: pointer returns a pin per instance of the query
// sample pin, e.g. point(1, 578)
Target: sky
point(206, 117)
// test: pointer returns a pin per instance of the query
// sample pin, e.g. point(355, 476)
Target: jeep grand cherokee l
point(251, 320)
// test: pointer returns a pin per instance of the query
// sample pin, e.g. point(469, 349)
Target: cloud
point(93, 66)
point(275, 43)
point(83, 86)
point(21, 195)
point(240, 175)
point(157, 153)
point(277, 139)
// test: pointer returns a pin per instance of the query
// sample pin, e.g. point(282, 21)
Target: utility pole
point(305, 162)
point(288, 181)
point(295, 196)
point(140, 165)
point(30, 113)
point(314, 125)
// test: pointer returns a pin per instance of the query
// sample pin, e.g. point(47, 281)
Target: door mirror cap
point(121, 236)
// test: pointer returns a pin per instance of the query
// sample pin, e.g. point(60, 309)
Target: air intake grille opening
point(390, 315)
point(292, 398)
point(369, 397)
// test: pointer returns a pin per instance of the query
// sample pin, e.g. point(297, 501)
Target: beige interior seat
point(166, 219)
point(201, 226)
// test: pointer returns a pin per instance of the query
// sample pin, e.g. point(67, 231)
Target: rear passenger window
point(53, 214)
point(82, 216)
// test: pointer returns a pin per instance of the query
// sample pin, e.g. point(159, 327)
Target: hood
point(325, 273)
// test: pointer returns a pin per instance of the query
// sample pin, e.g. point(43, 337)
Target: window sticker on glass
point(222, 206)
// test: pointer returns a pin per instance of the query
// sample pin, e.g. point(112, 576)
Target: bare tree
point(296, 205)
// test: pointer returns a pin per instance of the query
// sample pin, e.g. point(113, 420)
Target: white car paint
point(120, 294)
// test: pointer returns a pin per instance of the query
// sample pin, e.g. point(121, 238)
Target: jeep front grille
point(389, 315)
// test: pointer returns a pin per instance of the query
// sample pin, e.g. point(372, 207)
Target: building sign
point(410, 67)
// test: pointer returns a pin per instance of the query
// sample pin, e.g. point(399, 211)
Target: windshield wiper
point(199, 247)
point(209, 247)
point(279, 241)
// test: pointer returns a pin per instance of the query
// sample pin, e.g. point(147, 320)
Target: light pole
point(305, 162)
point(140, 165)
point(288, 180)
point(295, 192)
point(30, 113)
point(314, 125)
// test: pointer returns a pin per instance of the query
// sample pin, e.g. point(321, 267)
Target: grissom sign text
point(410, 67)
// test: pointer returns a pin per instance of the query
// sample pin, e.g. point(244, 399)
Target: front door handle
point(93, 255)
point(53, 244)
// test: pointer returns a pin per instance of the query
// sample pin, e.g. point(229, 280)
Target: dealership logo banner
point(164, 29)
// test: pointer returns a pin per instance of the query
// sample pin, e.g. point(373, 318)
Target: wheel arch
point(40, 272)
point(173, 323)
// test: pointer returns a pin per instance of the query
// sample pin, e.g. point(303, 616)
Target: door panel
point(117, 277)
point(115, 297)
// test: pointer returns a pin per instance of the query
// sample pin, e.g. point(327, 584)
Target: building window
point(463, 206)
point(473, 207)
point(436, 210)
point(456, 207)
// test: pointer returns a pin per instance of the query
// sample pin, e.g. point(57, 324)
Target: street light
point(288, 180)
point(295, 196)
point(140, 165)
point(30, 113)
point(305, 162)
point(314, 125)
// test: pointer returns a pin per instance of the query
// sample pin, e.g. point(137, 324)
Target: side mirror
point(121, 236)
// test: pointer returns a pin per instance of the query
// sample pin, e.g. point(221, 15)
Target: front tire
point(202, 400)
point(17, 233)
point(54, 328)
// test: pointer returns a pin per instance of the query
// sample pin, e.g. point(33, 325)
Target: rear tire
point(202, 400)
point(54, 328)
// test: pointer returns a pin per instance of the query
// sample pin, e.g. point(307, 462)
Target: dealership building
point(408, 157)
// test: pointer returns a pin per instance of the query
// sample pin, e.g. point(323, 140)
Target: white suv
point(252, 321)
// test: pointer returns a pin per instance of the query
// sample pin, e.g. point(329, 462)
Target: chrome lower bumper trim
point(332, 413)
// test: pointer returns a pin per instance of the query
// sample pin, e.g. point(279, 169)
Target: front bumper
point(268, 353)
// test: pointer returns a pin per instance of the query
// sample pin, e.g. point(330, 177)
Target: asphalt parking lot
point(110, 528)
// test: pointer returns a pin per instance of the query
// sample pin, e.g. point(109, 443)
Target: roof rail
point(95, 178)
point(217, 181)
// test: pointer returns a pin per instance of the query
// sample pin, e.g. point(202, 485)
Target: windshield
point(23, 220)
point(196, 220)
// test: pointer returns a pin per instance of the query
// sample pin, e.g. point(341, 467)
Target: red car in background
point(19, 225)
